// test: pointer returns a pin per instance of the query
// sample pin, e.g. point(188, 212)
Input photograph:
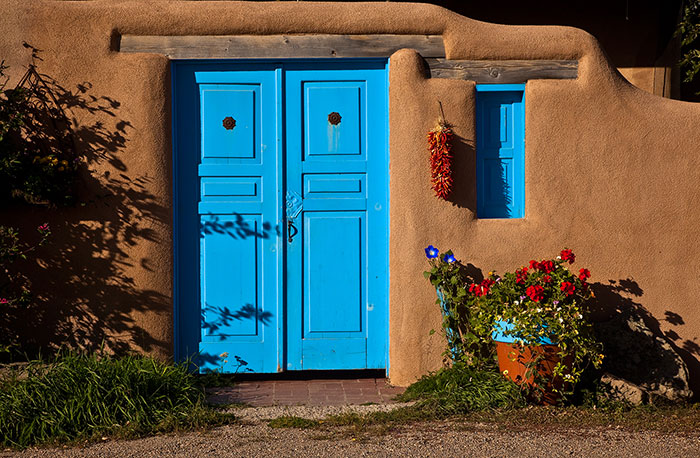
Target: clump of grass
point(290, 421)
point(80, 396)
point(461, 389)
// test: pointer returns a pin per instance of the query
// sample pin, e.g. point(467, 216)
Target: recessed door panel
point(333, 114)
point(334, 290)
point(230, 120)
point(231, 266)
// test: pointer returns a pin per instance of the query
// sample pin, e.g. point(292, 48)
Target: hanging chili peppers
point(440, 144)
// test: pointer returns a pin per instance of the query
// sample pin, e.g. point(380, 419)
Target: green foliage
point(545, 300)
point(689, 33)
point(461, 389)
point(37, 163)
point(466, 335)
point(15, 291)
point(81, 396)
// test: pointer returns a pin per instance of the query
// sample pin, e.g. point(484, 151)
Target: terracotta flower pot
point(513, 361)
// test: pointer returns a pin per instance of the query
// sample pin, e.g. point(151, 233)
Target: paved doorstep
point(306, 392)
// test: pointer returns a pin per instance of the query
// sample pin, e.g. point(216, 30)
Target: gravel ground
point(443, 439)
point(311, 412)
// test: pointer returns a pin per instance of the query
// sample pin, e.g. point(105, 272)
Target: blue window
point(500, 150)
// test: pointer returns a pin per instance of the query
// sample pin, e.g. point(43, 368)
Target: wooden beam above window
point(502, 71)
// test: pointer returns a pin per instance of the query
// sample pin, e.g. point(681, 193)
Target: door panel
point(323, 136)
point(334, 292)
point(337, 162)
point(241, 141)
point(239, 181)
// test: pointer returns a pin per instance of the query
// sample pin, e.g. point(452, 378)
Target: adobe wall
point(611, 171)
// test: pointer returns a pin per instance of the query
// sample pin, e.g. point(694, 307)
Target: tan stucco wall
point(611, 171)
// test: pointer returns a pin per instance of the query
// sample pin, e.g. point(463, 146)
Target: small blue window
point(500, 150)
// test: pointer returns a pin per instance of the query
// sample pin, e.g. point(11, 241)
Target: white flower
point(539, 310)
point(561, 320)
point(516, 302)
point(558, 257)
point(579, 316)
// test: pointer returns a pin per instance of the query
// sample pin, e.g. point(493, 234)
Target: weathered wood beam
point(502, 71)
point(281, 46)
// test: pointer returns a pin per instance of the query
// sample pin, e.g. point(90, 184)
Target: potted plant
point(535, 317)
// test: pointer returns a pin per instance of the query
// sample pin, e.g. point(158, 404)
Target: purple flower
point(522, 297)
point(449, 258)
point(431, 252)
point(555, 302)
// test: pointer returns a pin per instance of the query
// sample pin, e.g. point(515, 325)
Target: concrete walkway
point(318, 392)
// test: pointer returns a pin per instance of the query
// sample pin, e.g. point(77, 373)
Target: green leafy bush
point(461, 389)
point(15, 291)
point(80, 396)
point(689, 33)
point(37, 160)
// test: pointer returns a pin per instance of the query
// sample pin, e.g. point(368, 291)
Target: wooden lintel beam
point(280, 46)
point(502, 71)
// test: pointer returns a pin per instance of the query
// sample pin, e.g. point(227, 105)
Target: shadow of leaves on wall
point(84, 284)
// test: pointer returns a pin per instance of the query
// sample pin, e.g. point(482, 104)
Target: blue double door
point(282, 215)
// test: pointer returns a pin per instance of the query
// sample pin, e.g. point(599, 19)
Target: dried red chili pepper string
point(440, 144)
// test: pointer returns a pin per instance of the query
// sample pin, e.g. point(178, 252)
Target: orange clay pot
point(513, 360)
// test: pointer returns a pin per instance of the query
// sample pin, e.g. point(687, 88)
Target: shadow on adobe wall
point(85, 294)
point(620, 296)
point(464, 173)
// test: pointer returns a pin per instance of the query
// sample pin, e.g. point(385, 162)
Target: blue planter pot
point(502, 327)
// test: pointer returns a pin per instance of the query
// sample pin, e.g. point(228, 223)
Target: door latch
point(294, 206)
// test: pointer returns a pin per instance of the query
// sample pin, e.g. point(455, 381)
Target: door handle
point(294, 206)
point(291, 230)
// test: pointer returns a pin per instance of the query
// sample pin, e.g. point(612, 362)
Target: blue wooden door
point(337, 171)
point(281, 211)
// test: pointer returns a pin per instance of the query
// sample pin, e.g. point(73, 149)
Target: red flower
point(481, 289)
point(568, 288)
point(536, 292)
point(521, 275)
point(534, 265)
point(546, 266)
point(584, 274)
point(568, 255)
point(547, 279)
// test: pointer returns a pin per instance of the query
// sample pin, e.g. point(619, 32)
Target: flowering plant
point(542, 301)
point(466, 336)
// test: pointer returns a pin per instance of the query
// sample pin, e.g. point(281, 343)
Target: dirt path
point(441, 439)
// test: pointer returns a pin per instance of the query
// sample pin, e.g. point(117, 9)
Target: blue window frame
point(500, 150)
